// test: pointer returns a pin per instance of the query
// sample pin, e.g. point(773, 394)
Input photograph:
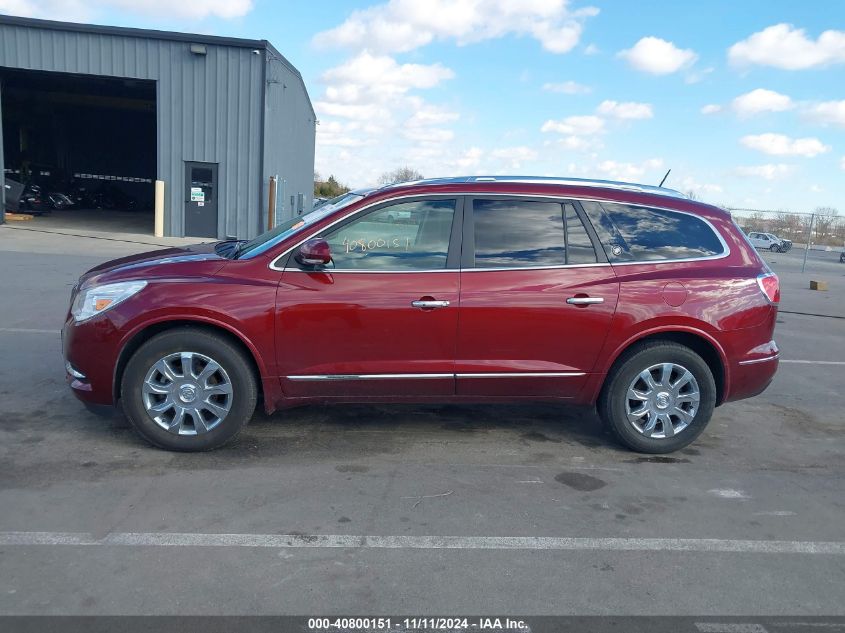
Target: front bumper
point(91, 350)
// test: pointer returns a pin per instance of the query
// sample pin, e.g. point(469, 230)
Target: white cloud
point(370, 88)
point(711, 108)
point(567, 87)
point(341, 134)
point(403, 25)
point(842, 163)
point(591, 49)
point(626, 110)
point(658, 57)
point(428, 135)
point(468, 159)
point(782, 145)
point(628, 171)
point(579, 143)
point(586, 125)
point(514, 157)
point(366, 76)
point(761, 100)
point(369, 104)
point(88, 10)
point(363, 112)
point(828, 112)
point(698, 76)
point(426, 114)
point(784, 46)
point(768, 172)
point(699, 188)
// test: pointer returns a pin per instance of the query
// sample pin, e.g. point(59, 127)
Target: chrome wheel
point(187, 393)
point(662, 400)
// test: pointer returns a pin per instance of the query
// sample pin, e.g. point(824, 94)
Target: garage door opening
point(79, 151)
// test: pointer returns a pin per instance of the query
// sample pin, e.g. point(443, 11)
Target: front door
point(537, 299)
point(381, 321)
point(201, 199)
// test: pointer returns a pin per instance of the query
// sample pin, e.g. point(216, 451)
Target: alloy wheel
point(662, 400)
point(187, 393)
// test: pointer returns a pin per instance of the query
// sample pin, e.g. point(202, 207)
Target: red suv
point(636, 299)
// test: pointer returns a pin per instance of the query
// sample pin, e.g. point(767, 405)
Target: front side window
point(524, 233)
point(404, 236)
point(634, 233)
point(295, 225)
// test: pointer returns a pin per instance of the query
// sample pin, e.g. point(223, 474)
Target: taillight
point(770, 286)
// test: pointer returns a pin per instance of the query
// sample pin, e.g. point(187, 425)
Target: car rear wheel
point(188, 390)
point(658, 397)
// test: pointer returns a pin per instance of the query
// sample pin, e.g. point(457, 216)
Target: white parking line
point(721, 627)
point(814, 362)
point(175, 539)
point(23, 330)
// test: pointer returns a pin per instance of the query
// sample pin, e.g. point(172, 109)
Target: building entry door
point(201, 194)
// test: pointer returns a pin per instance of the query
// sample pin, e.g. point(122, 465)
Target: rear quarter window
point(636, 233)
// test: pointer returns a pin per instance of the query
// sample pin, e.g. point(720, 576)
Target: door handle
point(429, 304)
point(584, 301)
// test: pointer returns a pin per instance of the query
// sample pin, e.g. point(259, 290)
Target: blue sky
point(744, 100)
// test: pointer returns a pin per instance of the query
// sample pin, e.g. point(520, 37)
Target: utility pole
point(807, 245)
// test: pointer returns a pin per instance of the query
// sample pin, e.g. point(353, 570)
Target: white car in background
point(769, 242)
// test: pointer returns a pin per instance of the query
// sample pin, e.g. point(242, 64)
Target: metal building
point(111, 110)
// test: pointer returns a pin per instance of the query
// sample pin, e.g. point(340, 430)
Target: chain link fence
point(818, 237)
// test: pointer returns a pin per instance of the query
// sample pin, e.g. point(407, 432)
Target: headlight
point(96, 300)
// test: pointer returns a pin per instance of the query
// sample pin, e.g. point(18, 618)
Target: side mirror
point(314, 252)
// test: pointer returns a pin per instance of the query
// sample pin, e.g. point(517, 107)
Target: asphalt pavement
point(520, 509)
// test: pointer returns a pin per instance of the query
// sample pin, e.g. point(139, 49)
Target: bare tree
point(787, 225)
point(756, 221)
point(401, 174)
point(826, 219)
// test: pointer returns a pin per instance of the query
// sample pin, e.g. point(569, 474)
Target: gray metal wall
point(209, 108)
point(290, 127)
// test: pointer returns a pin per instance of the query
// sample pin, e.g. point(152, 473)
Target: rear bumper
point(753, 372)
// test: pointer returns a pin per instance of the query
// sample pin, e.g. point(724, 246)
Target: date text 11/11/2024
point(417, 624)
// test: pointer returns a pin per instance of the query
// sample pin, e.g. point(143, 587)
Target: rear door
point(537, 298)
point(382, 320)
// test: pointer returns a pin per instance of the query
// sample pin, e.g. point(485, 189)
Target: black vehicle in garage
point(25, 198)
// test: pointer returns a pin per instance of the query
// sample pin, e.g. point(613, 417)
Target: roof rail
point(579, 182)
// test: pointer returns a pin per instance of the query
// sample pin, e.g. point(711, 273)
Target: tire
point(224, 396)
point(613, 403)
point(774, 248)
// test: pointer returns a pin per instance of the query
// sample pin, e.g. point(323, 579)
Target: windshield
point(293, 226)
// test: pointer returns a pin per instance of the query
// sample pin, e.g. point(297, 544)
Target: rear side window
point(524, 233)
point(634, 233)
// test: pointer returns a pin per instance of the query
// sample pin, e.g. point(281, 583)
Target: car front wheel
point(188, 390)
point(658, 397)
point(774, 248)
